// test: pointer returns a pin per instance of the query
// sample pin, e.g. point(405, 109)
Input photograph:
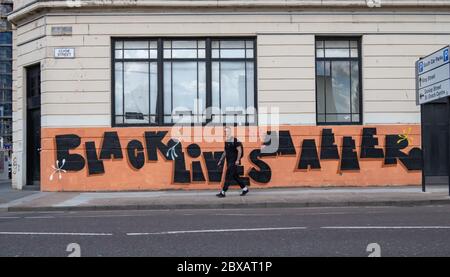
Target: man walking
point(233, 154)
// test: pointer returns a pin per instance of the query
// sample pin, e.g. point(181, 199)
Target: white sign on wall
point(64, 53)
point(433, 76)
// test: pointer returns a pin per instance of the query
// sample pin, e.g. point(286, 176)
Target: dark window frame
point(358, 40)
point(160, 77)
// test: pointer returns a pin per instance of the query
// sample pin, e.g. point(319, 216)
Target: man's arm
point(221, 158)
point(239, 154)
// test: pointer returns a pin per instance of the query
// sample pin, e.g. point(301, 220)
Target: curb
point(406, 203)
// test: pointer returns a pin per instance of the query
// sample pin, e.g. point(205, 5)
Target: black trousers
point(232, 175)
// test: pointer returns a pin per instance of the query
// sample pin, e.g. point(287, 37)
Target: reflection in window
point(184, 81)
point(337, 81)
point(233, 81)
point(135, 77)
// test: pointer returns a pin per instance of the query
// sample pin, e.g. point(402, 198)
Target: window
point(168, 81)
point(338, 75)
point(135, 71)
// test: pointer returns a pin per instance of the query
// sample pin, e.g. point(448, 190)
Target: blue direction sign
point(432, 83)
point(433, 76)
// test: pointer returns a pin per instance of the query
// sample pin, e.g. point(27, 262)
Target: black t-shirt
point(231, 151)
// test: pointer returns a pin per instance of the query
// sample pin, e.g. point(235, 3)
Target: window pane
point(337, 53)
point(153, 44)
point(184, 44)
point(215, 83)
point(167, 89)
point(167, 54)
point(320, 53)
point(119, 44)
point(333, 118)
point(153, 88)
point(250, 86)
point(320, 80)
point(232, 44)
point(153, 54)
point(136, 44)
point(184, 88)
point(249, 54)
point(5, 67)
point(355, 87)
point(184, 82)
point(319, 44)
point(201, 88)
point(184, 53)
point(119, 54)
point(136, 54)
point(215, 44)
point(201, 54)
point(338, 100)
point(118, 95)
point(232, 84)
point(337, 44)
point(136, 86)
point(234, 53)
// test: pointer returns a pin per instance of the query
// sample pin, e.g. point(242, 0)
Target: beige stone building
point(93, 76)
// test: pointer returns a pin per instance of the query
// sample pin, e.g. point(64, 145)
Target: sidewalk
point(257, 198)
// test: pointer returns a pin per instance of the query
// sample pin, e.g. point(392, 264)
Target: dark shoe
point(244, 192)
point(220, 195)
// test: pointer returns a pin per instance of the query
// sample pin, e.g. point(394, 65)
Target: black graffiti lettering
point(349, 156)
point(328, 148)
point(111, 148)
point(414, 159)
point(181, 175)
point(264, 174)
point(309, 156)
point(194, 150)
point(95, 166)
point(214, 171)
point(368, 143)
point(284, 141)
point(153, 141)
point(135, 152)
point(197, 172)
point(394, 145)
point(64, 143)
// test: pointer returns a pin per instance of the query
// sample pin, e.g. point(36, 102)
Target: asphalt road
point(399, 231)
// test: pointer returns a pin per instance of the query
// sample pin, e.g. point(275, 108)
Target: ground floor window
point(338, 81)
point(168, 81)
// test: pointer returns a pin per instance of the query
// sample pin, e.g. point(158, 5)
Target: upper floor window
point(168, 81)
point(338, 75)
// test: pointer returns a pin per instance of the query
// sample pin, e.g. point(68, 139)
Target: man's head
point(227, 132)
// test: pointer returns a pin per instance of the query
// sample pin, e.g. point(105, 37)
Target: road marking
point(55, 234)
point(386, 227)
point(216, 231)
point(39, 217)
point(10, 217)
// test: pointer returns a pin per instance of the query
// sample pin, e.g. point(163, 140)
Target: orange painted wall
point(120, 176)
